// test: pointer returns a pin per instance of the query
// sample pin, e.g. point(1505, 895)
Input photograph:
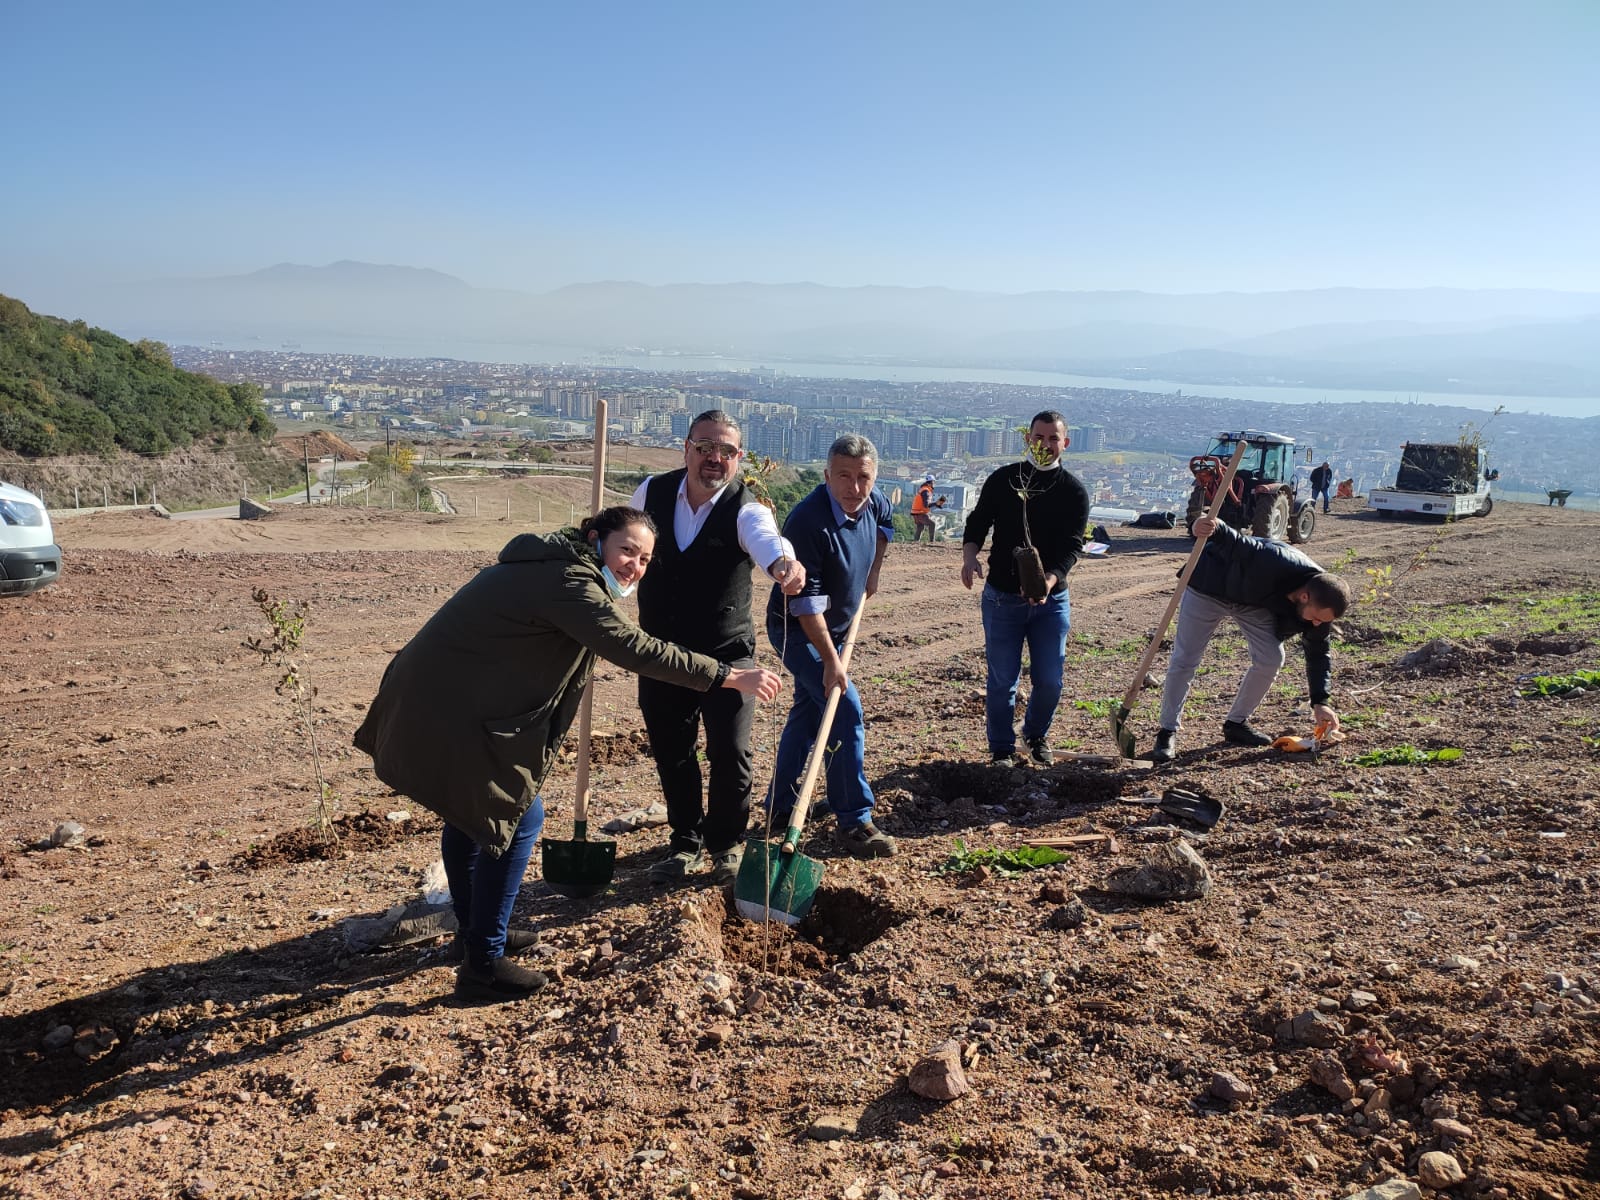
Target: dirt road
point(180, 1016)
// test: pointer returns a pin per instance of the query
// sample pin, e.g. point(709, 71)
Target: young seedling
point(1030, 567)
point(286, 629)
point(757, 476)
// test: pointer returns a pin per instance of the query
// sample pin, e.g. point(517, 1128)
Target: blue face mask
point(618, 592)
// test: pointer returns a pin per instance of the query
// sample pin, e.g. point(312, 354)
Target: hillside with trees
point(68, 388)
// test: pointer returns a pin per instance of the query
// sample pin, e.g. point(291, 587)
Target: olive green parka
point(471, 711)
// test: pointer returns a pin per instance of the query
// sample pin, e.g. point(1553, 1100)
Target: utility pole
point(305, 444)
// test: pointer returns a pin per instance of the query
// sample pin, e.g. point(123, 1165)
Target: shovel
point(580, 867)
point(1120, 730)
point(775, 881)
point(1184, 804)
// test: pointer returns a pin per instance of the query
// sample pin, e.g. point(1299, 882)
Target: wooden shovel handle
point(580, 785)
point(1151, 650)
point(802, 804)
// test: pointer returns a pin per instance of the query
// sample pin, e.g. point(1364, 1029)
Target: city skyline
point(1239, 147)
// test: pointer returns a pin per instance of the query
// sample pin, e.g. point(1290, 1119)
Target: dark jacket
point(1058, 514)
point(1321, 477)
point(699, 597)
point(1257, 573)
point(472, 710)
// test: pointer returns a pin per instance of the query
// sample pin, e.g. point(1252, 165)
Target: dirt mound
point(1440, 656)
point(351, 833)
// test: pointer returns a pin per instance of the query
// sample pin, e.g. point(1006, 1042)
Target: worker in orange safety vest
point(922, 506)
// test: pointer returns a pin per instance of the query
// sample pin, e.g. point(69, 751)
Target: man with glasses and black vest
point(697, 593)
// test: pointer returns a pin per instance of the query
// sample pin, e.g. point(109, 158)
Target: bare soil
point(180, 1015)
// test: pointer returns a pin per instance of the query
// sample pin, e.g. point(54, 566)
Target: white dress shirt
point(758, 529)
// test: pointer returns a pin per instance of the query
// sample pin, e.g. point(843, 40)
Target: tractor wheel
point(1486, 507)
point(1271, 518)
point(1196, 510)
point(1304, 522)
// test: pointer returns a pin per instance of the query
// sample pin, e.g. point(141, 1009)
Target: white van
point(29, 556)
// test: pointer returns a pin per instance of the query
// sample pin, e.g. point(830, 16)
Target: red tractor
point(1263, 497)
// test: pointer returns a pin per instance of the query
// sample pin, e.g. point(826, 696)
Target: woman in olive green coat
point(472, 711)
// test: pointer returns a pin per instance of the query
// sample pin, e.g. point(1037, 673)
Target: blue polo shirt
point(837, 552)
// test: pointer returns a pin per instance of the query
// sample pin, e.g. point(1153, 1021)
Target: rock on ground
point(939, 1076)
point(1174, 872)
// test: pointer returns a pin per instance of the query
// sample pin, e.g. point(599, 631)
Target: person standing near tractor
point(1038, 512)
point(922, 506)
point(697, 594)
point(1322, 481)
point(1273, 593)
point(841, 532)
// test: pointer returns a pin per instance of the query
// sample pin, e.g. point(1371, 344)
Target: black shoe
point(725, 865)
point(865, 841)
point(518, 941)
point(1039, 753)
point(1004, 758)
point(1242, 733)
point(1164, 751)
point(676, 867)
point(500, 981)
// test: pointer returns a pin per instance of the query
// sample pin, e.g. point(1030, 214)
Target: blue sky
point(1004, 147)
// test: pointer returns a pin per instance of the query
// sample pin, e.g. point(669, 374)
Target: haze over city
point(1406, 189)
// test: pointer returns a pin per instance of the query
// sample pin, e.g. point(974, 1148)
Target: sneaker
point(1039, 753)
point(864, 841)
point(1242, 733)
point(500, 981)
point(1004, 758)
point(725, 865)
point(1164, 751)
point(675, 867)
point(518, 941)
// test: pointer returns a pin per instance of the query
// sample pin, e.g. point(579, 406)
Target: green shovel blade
point(578, 868)
point(774, 884)
point(1122, 731)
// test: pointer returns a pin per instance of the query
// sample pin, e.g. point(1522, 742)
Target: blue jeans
point(849, 794)
point(483, 889)
point(1323, 492)
point(1008, 621)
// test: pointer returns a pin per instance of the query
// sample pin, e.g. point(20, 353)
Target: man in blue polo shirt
point(840, 533)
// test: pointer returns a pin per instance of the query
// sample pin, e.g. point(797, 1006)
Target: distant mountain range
point(1433, 339)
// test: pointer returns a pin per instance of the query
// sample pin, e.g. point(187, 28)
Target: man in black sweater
point(1273, 593)
point(709, 529)
point(1033, 505)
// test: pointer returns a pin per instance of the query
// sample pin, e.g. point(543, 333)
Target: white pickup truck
point(29, 556)
point(1438, 479)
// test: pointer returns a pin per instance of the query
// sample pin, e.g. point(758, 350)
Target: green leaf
point(1560, 685)
point(1006, 863)
point(1406, 756)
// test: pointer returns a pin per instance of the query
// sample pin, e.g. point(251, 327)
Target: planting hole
point(842, 922)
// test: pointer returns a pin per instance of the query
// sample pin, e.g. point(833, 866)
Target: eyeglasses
point(705, 449)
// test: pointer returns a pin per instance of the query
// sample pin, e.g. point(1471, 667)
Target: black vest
point(699, 597)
